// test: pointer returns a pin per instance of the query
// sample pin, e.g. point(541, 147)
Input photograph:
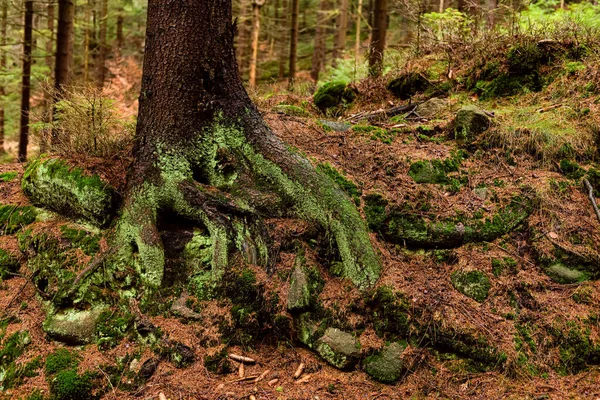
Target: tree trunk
point(441, 10)
point(3, 24)
point(320, 48)
point(378, 33)
point(342, 28)
point(26, 83)
point(120, 40)
point(256, 5)
point(87, 41)
point(64, 51)
point(101, 62)
point(47, 93)
point(491, 13)
point(357, 42)
point(294, 40)
point(243, 37)
point(283, 39)
point(203, 155)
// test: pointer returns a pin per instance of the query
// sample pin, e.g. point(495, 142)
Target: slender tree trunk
point(320, 48)
point(26, 83)
point(101, 62)
point(256, 6)
point(342, 28)
point(244, 37)
point(47, 117)
point(357, 42)
point(283, 39)
point(87, 41)
point(120, 40)
point(3, 24)
point(491, 13)
point(64, 51)
point(378, 33)
point(294, 40)
point(441, 9)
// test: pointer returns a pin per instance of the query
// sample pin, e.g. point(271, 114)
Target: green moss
point(69, 385)
point(12, 374)
point(13, 218)
point(9, 264)
point(571, 169)
point(576, 348)
point(473, 284)
point(8, 176)
point(82, 239)
point(386, 366)
point(333, 95)
point(499, 265)
point(433, 171)
point(407, 85)
point(69, 191)
point(390, 312)
point(346, 185)
point(291, 110)
point(60, 360)
point(112, 326)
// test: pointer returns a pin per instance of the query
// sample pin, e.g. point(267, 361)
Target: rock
point(333, 95)
point(433, 171)
point(431, 108)
point(473, 284)
point(469, 123)
point(69, 191)
point(291, 110)
point(336, 126)
point(386, 366)
point(481, 193)
point(306, 329)
point(338, 348)
point(299, 293)
point(73, 327)
point(134, 366)
point(148, 369)
point(407, 85)
point(560, 273)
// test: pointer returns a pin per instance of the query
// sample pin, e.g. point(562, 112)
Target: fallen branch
point(390, 112)
point(549, 108)
point(242, 359)
point(246, 378)
point(590, 189)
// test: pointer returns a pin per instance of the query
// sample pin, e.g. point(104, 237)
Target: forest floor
point(378, 161)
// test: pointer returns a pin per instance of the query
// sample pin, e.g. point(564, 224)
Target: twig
point(590, 189)
point(549, 108)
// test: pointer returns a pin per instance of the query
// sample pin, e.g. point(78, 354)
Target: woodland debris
point(590, 189)
point(273, 382)
point(262, 376)
point(252, 397)
point(245, 378)
point(382, 113)
point(242, 359)
point(299, 371)
point(549, 108)
point(241, 371)
point(304, 379)
point(161, 396)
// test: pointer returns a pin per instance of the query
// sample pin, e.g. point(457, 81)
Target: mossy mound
point(338, 348)
point(60, 360)
point(8, 176)
point(12, 374)
point(390, 311)
point(9, 264)
point(468, 124)
point(400, 226)
point(69, 385)
point(473, 284)
point(333, 95)
point(53, 184)
point(387, 365)
point(433, 171)
point(13, 218)
point(291, 110)
point(407, 85)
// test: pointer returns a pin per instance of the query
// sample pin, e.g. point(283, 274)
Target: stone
point(468, 124)
point(387, 365)
point(73, 327)
point(473, 284)
point(338, 348)
point(562, 274)
point(431, 108)
point(481, 193)
point(336, 126)
point(299, 293)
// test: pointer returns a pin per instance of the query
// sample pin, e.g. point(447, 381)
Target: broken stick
point(590, 190)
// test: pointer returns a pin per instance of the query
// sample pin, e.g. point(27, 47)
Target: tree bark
point(294, 41)
point(3, 24)
point(87, 41)
point(244, 37)
point(320, 48)
point(103, 49)
point(47, 117)
point(358, 25)
point(256, 6)
point(26, 83)
point(283, 39)
point(120, 39)
point(378, 33)
point(203, 154)
point(342, 28)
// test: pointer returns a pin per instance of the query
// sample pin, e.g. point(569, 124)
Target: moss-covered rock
point(397, 225)
point(338, 348)
point(13, 218)
point(69, 191)
point(473, 284)
point(433, 171)
point(299, 296)
point(387, 365)
point(407, 85)
point(291, 110)
point(73, 327)
point(431, 108)
point(333, 95)
point(561, 273)
point(69, 385)
point(468, 124)
point(390, 311)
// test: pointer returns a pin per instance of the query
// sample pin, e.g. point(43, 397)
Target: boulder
point(338, 348)
point(407, 85)
point(73, 327)
point(387, 365)
point(473, 284)
point(431, 108)
point(299, 293)
point(468, 124)
point(333, 95)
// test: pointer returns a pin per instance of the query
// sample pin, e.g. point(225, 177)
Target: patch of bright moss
point(69, 385)
point(79, 238)
point(344, 183)
point(333, 95)
point(60, 360)
point(8, 176)
point(473, 284)
point(13, 218)
point(112, 326)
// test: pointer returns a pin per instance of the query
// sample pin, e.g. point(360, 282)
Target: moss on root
point(13, 218)
point(53, 184)
point(9, 264)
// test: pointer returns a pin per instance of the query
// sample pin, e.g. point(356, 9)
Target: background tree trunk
point(256, 6)
point(342, 28)
point(64, 44)
point(244, 37)
point(26, 83)
point(294, 40)
point(320, 48)
point(283, 40)
point(378, 33)
point(358, 25)
point(87, 40)
point(48, 58)
point(3, 24)
point(120, 40)
point(103, 49)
